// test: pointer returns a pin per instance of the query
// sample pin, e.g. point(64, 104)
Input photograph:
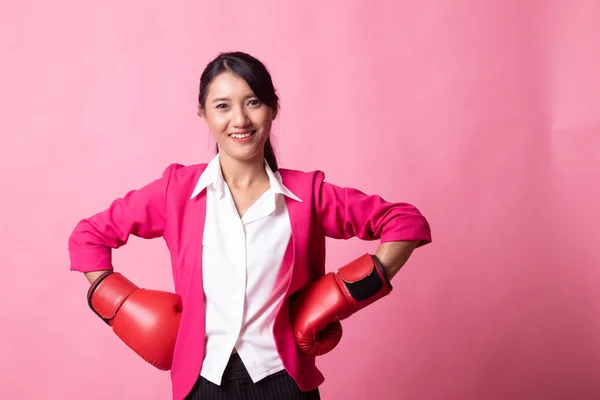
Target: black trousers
point(237, 385)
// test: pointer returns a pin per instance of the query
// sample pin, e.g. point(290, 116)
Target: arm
point(344, 213)
point(140, 212)
point(347, 212)
point(146, 320)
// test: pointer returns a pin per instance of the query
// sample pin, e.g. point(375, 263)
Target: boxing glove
point(145, 320)
point(318, 309)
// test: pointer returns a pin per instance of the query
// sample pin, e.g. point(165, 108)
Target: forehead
point(230, 85)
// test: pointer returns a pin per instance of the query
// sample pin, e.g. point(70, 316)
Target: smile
point(242, 135)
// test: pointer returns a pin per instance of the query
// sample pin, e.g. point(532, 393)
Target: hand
point(317, 311)
point(146, 320)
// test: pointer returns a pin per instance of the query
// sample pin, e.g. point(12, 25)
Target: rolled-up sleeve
point(347, 212)
point(141, 212)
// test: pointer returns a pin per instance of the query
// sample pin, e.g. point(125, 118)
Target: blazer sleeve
point(141, 212)
point(347, 212)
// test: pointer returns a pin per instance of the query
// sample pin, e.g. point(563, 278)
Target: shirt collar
point(277, 185)
point(213, 176)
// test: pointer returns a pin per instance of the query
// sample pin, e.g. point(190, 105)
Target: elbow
point(80, 236)
point(422, 231)
point(87, 250)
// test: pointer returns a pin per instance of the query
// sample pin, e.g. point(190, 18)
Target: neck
point(243, 173)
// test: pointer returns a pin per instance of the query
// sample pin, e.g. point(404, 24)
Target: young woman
point(245, 238)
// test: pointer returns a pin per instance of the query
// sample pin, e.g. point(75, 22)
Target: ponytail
point(270, 155)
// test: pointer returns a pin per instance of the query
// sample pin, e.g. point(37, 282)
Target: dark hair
point(256, 76)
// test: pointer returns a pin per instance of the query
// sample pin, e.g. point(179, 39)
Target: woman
point(244, 236)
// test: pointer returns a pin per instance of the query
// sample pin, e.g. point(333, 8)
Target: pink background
point(484, 114)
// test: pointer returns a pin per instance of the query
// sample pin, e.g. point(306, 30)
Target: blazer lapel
point(192, 232)
point(296, 255)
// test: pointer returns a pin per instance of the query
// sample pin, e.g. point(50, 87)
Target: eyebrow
point(227, 99)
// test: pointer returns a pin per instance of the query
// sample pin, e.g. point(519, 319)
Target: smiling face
point(237, 119)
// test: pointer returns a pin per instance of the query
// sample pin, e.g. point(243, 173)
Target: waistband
point(235, 369)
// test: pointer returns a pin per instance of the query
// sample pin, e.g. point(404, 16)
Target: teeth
point(242, 136)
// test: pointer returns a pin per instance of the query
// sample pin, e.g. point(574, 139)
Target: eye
point(254, 102)
point(221, 106)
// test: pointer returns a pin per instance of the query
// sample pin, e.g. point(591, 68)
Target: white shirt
point(242, 274)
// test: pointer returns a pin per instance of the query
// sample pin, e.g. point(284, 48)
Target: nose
point(240, 117)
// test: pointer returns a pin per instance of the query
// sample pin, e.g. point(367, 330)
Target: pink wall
point(485, 114)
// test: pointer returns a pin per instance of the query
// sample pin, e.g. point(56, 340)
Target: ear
point(275, 112)
point(201, 113)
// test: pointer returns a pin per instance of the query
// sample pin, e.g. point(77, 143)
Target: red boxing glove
point(146, 320)
point(317, 310)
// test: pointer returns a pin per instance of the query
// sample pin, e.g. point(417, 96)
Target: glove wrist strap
point(364, 281)
point(91, 291)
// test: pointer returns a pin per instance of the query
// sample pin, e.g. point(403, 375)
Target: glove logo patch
point(366, 287)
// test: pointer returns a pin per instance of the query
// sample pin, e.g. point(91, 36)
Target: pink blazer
point(163, 208)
